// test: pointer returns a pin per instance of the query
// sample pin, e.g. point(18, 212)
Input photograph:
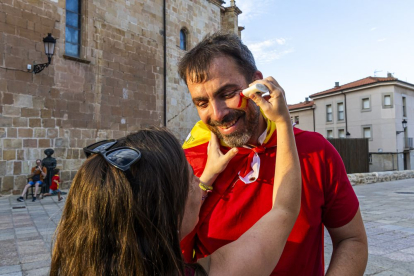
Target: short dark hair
point(196, 63)
point(56, 171)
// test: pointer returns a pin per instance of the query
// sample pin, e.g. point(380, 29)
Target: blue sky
point(308, 45)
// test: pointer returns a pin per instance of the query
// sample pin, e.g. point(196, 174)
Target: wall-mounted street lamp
point(404, 125)
point(50, 43)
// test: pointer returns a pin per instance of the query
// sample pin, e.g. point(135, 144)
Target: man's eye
point(202, 104)
point(230, 94)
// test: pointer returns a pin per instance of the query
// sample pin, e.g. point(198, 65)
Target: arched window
point(183, 39)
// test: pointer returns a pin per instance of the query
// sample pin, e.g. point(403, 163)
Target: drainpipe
point(313, 112)
point(165, 63)
point(346, 116)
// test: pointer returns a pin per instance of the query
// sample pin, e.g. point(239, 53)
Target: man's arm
point(350, 248)
point(44, 171)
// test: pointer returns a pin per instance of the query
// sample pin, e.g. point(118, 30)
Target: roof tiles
point(300, 105)
point(361, 82)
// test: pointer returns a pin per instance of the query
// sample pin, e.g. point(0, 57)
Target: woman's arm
point(258, 250)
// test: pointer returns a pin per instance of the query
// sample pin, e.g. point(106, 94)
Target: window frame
point(404, 106)
point(326, 115)
point(343, 111)
point(341, 129)
point(362, 104)
point(296, 121)
point(184, 33)
point(79, 44)
point(329, 130)
point(371, 132)
point(391, 100)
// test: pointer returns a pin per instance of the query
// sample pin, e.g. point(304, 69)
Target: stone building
point(114, 62)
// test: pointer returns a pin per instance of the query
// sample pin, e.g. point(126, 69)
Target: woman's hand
point(275, 108)
point(216, 161)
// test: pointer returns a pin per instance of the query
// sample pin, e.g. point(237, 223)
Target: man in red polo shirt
point(215, 71)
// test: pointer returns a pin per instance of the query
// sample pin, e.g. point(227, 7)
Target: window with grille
point(341, 133)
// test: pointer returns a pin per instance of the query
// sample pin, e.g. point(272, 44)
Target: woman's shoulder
point(199, 268)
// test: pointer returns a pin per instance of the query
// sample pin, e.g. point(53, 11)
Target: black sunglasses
point(121, 158)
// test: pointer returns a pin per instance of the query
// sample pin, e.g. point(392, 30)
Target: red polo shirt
point(233, 207)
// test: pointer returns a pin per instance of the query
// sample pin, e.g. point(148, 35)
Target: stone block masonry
point(113, 88)
point(374, 177)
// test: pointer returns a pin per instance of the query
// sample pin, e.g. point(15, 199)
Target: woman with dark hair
point(135, 198)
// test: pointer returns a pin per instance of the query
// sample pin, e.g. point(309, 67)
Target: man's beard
point(241, 136)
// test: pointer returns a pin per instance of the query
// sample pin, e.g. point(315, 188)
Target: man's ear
point(257, 75)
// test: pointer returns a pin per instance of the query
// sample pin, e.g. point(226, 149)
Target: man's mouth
point(229, 124)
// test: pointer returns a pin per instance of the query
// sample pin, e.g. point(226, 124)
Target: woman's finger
point(230, 154)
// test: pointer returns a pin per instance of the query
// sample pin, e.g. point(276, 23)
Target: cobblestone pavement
point(388, 212)
point(25, 235)
point(387, 209)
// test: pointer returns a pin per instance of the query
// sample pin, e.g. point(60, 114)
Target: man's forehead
point(213, 70)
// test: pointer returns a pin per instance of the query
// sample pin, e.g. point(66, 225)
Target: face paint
point(243, 101)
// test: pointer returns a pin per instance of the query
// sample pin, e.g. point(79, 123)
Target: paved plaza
point(388, 212)
point(387, 209)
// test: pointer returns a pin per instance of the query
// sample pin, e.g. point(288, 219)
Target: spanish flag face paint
point(243, 101)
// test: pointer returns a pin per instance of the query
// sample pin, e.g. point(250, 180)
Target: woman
point(134, 199)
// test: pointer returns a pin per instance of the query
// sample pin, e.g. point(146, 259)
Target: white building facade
point(379, 109)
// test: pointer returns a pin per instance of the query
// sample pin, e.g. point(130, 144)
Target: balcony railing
point(408, 143)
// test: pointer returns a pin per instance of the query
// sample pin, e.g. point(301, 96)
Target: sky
point(308, 45)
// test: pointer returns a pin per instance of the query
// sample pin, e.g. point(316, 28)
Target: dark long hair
point(110, 226)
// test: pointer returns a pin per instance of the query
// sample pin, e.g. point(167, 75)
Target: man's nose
point(219, 110)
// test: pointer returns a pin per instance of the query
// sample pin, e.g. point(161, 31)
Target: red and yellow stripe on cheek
point(243, 101)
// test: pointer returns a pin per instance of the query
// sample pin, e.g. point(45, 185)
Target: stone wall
point(115, 87)
point(369, 178)
point(181, 112)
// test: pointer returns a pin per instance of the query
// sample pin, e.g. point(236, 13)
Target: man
point(38, 174)
point(215, 71)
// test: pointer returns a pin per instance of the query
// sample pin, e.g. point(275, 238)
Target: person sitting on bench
point(36, 178)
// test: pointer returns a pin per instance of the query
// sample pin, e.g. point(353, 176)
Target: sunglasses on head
point(121, 158)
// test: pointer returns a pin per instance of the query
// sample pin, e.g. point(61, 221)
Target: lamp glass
point(49, 43)
point(404, 124)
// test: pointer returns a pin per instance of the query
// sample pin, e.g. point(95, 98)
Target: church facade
point(114, 71)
